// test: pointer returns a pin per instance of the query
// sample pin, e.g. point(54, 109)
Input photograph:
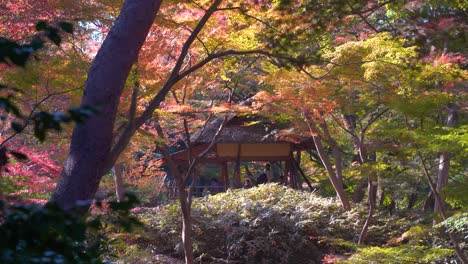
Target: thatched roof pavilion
point(245, 138)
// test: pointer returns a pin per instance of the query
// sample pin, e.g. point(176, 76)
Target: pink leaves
point(38, 174)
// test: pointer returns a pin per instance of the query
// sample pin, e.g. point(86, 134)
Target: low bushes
point(266, 224)
point(275, 224)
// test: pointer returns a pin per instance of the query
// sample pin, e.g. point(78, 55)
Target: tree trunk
point(119, 183)
point(359, 193)
point(380, 193)
point(91, 141)
point(371, 201)
point(186, 224)
point(335, 153)
point(428, 205)
point(331, 173)
point(337, 185)
point(438, 200)
point(444, 157)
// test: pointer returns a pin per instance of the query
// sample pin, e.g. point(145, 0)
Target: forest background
point(379, 87)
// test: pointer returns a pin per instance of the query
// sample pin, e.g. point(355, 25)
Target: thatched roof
point(240, 129)
point(257, 138)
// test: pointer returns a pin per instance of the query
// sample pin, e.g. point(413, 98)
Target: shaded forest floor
point(274, 224)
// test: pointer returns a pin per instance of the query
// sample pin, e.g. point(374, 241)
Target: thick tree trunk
point(119, 183)
point(91, 142)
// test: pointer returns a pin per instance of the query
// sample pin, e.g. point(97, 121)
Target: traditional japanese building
point(246, 139)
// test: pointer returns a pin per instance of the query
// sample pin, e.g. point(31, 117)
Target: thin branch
point(344, 128)
point(31, 113)
point(372, 120)
point(175, 76)
point(361, 16)
point(372, 9)
point(206, 151)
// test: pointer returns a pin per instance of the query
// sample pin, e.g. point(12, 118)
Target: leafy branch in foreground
point(15, 54)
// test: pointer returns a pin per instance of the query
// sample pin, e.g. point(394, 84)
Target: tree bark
point(91, 142)
point(380, 193)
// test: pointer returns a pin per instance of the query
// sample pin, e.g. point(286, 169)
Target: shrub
point(274, 224)
point(47, 234)
point(265, 224)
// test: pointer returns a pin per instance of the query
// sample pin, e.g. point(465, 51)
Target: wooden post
point(286, 173)
point(225, 175)
point(292, 174)
point(298, 162)
point(237, 179)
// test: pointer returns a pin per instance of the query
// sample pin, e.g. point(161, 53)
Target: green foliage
point(47, 234)
point(400, 254)
point(457, 224)
point(455, 193)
